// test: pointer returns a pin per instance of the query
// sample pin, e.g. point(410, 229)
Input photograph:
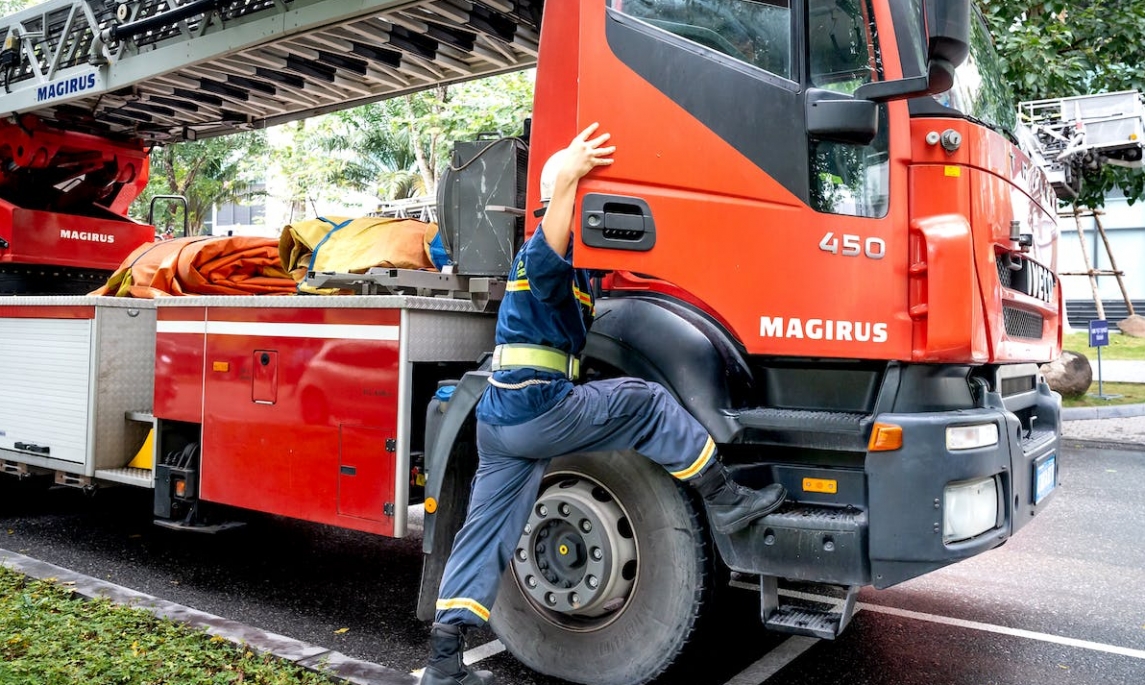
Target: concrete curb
point(318, 659)
point(1084, 443)
point(1116, 411)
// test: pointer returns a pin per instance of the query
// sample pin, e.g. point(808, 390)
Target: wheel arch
point(676, 346)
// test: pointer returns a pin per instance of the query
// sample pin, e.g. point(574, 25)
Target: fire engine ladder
point(423, 208)
point(169, 70)
point(1067, 136)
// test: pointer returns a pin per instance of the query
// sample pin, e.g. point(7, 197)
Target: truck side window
point(757, 32)
point(843, 54)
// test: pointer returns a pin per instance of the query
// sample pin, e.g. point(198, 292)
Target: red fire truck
point(819, 235)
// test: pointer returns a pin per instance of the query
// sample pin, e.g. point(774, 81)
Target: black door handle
point(617, 223)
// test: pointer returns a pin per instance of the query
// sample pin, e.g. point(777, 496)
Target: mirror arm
point(939, 79)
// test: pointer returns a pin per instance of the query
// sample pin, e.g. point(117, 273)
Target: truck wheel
point(609, 578)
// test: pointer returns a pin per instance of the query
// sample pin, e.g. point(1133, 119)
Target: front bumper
point(885, 522)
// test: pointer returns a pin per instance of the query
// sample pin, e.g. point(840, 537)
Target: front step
point(828, 430)
point(825, 624)
point(812, 542)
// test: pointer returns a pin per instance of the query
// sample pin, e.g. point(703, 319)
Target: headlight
point(969, 509)
point(969, 437)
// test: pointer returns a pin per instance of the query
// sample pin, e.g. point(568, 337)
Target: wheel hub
point(577, 555)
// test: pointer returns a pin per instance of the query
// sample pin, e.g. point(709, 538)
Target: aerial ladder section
point(87, 87)
point(1072, 135)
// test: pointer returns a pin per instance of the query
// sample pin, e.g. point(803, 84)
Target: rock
point(1069, 374)
point(1134, 326)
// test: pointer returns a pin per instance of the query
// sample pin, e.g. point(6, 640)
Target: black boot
point(446, 647)
point(731, 506)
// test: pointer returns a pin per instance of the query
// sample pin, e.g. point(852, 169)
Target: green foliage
point(49, 636)
point(1118, 393)
point(206, 172)
point(398, 148)
point(1060, 49)
point(1120, 346)
point(8, 7)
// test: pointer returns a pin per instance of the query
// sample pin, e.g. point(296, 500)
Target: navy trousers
point(619, 414)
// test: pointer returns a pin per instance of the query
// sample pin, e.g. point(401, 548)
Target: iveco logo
point(1038, 282)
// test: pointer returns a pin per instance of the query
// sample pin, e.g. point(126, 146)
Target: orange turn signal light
point(180, 488)
point(885, 437)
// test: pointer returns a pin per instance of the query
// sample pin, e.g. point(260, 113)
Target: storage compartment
point(70, 370)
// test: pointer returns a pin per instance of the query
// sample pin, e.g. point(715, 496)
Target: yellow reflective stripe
point(463, 603)
point(531, 355)
point(700, 463)
point(515, 286)
point(584, 298)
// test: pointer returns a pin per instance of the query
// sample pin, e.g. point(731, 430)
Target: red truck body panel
point(299, 401)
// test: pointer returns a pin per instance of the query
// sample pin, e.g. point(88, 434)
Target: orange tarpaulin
point(203, 265)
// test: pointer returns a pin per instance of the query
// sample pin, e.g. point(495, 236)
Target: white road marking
point(484, 651)
point(970, 625)
point(474, 655)
point(789, 650)
point(1003, 630)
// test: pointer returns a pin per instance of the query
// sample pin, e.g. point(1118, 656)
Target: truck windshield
point(980, 89)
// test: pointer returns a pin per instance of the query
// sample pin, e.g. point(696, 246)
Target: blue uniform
point(528, 416)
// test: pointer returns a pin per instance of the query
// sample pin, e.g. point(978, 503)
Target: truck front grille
point(1022, 324)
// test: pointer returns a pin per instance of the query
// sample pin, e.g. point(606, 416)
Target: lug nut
point(521, 556)
point(574, 599)
point(542, 510)
point(586, 525)
point(564, 509)
point(597, 554)
point(592, 582)
point(531, 581)
point(551, 599)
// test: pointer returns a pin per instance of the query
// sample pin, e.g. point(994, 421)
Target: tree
point(8, 7)
point(1060, 49)
point(397, 148)
point(208, 173)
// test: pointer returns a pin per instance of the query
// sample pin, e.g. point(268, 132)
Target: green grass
point(51, 636)
point(1131, 393)
point(1120, 346)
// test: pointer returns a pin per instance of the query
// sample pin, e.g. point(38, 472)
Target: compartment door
point(45, 380)
point(365, 473)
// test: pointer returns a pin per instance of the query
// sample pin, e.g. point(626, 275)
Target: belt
point(523, 356)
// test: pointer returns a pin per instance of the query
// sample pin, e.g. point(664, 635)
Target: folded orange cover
point(201, 265)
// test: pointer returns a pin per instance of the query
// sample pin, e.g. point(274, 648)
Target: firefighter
point(531, 412)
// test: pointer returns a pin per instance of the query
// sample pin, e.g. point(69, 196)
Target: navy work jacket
point(547, 302)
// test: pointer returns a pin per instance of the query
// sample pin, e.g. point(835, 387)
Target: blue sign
point(1098, 333)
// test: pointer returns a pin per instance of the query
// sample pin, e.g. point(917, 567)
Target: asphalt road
point(1061, 603)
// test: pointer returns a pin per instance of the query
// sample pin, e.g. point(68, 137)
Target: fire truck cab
point(819, 235)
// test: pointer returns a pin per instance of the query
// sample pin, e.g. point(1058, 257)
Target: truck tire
point(620, 605)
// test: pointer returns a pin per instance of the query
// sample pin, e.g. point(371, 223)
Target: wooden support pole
point(1113, 264)
point(1088, 267)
